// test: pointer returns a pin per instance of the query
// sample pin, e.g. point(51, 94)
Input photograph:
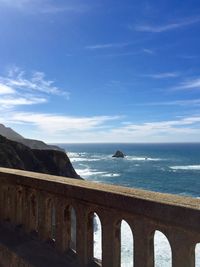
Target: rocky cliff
point(18, 156)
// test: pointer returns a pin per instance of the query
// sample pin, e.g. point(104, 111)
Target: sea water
point(167, 168)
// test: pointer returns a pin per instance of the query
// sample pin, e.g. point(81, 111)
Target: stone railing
point(42, 203)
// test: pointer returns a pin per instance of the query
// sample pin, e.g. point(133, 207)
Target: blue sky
point(101, 71)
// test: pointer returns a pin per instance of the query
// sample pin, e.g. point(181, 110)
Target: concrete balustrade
point(42, 204)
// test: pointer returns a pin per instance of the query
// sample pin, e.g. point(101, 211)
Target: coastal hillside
point(31, 143)
point(18, 156)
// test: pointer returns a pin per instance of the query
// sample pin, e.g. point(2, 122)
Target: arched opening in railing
point(197, 255)
point(162, 250)
point(73, 229)
point(127, 245)
point(97, 237)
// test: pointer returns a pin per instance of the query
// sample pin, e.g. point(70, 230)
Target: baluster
point(110, 240)
point(63, 225)
point(84, 235)
point(44, 216)
point(143, 244)
point(183, 249)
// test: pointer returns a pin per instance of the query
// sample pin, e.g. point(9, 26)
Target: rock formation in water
point(119, 154)
point(31, 143)
point(18, 156)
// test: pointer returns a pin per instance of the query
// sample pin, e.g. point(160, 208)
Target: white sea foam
point(186, 167)
point(163, 254)
point(133, 158)
point(111, 175)
point(74, 154)
point(197, 255)
point(76, 159)
point(88, 172)
point(162, 247)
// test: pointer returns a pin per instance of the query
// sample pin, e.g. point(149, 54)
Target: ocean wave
point(88, 172)
point(133, 158)
point(186, 167)
point(77, 159)
point(111, 175)
point(75, 154)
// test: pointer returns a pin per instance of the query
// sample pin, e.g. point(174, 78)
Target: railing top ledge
point(162, 208)
point(170, 199)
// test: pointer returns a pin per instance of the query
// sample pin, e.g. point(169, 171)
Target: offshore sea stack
point(119, 154)
point(18, 156)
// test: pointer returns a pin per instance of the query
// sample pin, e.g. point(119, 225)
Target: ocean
point(166, 168)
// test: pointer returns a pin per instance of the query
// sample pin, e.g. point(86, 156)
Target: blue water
point(168, 168)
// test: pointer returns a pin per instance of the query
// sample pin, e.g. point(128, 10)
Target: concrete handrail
point(28, 198)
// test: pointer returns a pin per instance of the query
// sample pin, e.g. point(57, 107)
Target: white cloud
point(18, 80)
point(60, 128)
point(108, 45)
point(4, 89)
point(188, 102)
point(167, 27)
point(148, 51)
point(191, 84)
point(7, 102)
point(55, 127)
point(59, 123)
point(163, 75)
point(180, 130)
point(17, 88)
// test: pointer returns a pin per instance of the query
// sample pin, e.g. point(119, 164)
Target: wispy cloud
point(190, 84)
point(7, 102)
point(17, 88)
point(148, 51)
point(128, 53)
point(108, 45)
point(45, 6)
point(59, 123)
point(158, 131)
point(55, 128)
point(167, 27)
point(50, 9)
point(163, 75)
point(4, 89)
point(187, 102)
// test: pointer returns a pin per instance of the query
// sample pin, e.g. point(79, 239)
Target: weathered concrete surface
point(30, 199)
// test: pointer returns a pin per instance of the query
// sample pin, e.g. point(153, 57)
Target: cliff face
point(18, 156)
